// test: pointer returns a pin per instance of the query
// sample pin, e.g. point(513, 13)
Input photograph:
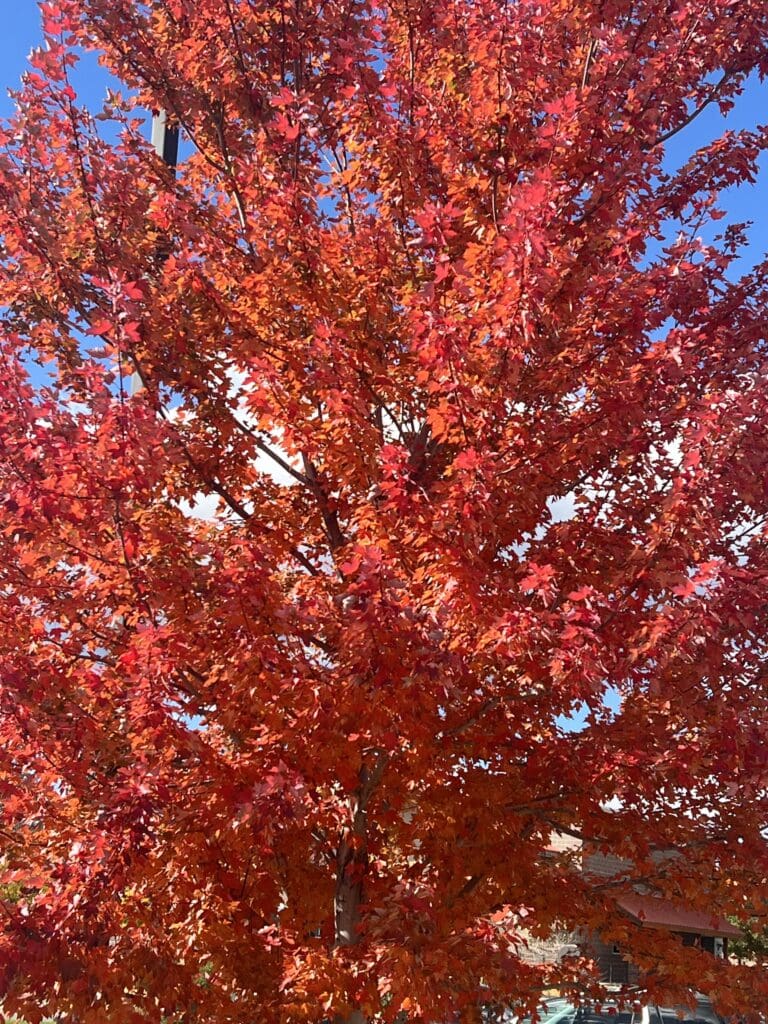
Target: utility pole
point(165, 140)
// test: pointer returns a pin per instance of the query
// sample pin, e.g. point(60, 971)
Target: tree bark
point(351, 866)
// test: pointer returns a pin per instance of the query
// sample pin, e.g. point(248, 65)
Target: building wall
point(559, 842)
point(604, 865)
point(597, 865)
point(612, 963)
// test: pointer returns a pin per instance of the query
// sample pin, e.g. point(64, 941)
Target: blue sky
point(20, 33)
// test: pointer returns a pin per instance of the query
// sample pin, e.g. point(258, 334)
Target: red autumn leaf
point(538, 577)
point(100, 327)
point(288, 129)
point(133, 290)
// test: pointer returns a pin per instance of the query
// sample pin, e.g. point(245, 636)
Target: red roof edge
point(656, 913)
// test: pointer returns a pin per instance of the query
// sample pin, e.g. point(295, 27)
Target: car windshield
point(560, 1011)
point(702, 1013)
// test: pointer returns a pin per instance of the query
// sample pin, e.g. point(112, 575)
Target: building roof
point(656, 913)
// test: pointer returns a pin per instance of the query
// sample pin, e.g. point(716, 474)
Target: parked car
point(561, 1011)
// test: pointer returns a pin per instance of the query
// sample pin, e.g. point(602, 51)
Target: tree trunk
point(351, 866)
point(352, 860)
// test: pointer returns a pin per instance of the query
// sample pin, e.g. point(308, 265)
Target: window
point(605, 1016)
point(701, 1014)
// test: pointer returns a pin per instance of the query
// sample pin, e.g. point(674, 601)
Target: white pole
point(165, 140)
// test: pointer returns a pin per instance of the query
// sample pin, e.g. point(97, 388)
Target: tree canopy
point(448, 421)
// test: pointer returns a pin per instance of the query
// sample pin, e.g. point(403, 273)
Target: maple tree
point(452, 421)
